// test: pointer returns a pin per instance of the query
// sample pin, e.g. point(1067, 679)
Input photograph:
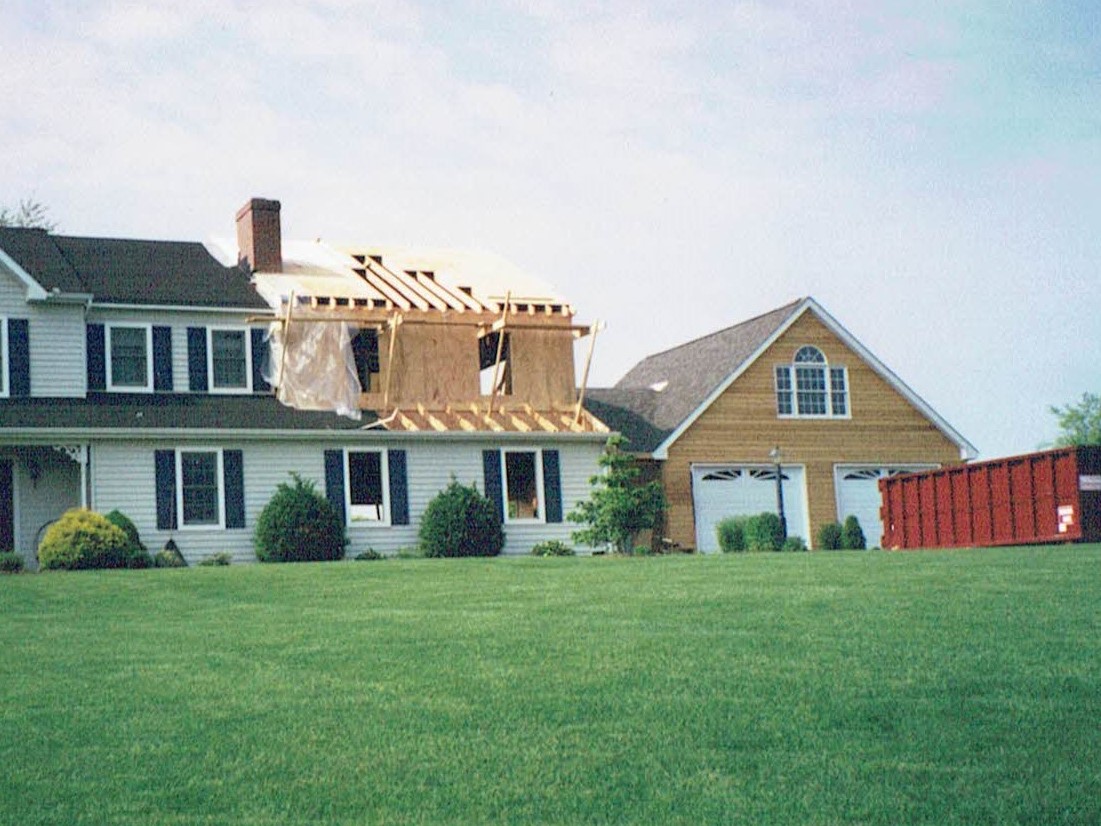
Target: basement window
point(365, 351)
point(523, 474)
point(487, 360)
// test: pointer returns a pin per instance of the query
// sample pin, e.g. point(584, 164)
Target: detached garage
point(719, 491)
point(857, 489)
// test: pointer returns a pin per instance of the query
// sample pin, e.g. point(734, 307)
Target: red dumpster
point(1052, 496)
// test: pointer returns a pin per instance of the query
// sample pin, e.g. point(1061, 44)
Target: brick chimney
point(259, 237)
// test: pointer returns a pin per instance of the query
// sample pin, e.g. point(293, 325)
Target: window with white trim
point(811, 387)
point(4, 369)
point(229, 359)
point(367, 486)
point(522, 471)
point(200, 496)
point(129, 357)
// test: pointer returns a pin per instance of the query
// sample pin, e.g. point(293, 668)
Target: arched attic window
point(810, 386)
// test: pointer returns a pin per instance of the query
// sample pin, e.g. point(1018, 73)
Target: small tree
point(619, 506)
point(1080, 424)
point(29, 213)
point(461, 522)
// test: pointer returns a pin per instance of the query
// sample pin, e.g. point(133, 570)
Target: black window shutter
point(399, 488)
point(196, 359)
point(491, 465)
point(552, 486)
point(259, 353)
point(334, 481)
point(162, 359)
point(165, 465)
point(19, 357)
point(233, 469)
point(97, 357)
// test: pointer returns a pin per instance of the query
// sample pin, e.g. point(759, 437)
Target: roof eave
point(967, 450)
point(35, 291)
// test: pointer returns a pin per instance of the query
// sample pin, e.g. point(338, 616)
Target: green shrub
point(852, 535)
point(10, 562)
point(214, 560)
point(764, 532)
point(83, 539)
point(298, 525)
point(170, 556)
point(731, 534)
point(551, 547)
point(461, 522)
point(829, 537)
point(138, 556)
point(369, 554)
point(794, 543)
point(411, 552)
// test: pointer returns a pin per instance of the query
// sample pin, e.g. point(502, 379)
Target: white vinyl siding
point(56, 341)
point(123, 478)
point(5, 370)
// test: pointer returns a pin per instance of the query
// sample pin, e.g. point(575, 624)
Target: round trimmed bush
point(730, 531)
point(461, 522)
point(138, 556)
point(10, 562)
point(794, 543)
point(83, 539)
point(764, 532)
point(298, 525)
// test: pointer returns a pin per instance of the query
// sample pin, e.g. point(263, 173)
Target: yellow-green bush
point(84, 539)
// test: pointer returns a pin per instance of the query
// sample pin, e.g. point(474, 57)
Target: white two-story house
point(132, 377)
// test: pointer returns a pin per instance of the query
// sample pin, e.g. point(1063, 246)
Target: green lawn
point(947, 687)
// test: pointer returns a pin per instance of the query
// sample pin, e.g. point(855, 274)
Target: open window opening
point(487, 361)
point(523, 485)
point(365, 352)
point(367, 474)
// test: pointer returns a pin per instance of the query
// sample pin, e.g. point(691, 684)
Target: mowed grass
point(947, 687)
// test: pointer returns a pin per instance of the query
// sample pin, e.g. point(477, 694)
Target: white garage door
point(744, 490)
point(857, 489)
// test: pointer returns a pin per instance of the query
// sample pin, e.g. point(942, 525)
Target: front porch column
point(78, 454)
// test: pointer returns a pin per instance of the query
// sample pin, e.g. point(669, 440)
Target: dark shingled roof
point(143, 411)
point(686, 376)
point(121, 271)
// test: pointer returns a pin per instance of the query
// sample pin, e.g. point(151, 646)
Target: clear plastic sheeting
point(312, 367)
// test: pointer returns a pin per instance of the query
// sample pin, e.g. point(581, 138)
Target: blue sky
point(930, 172)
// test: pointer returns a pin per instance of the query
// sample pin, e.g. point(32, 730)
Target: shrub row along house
point(138, 376)
point(707, 418)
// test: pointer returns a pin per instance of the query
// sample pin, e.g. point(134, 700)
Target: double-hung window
point(201, 497)
point(230, 360)
point(522, 471)
point(811, 387)
point(129, 362)
point(367, 486)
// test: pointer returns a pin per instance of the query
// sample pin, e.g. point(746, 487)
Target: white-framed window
point(200, 494)
point(522, 473)
point(130, 357)
point(229, 359)
point(367, 486)
point(811, 387)
point(5, 384)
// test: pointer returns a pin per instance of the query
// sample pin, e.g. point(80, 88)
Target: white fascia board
point(35, 291)
point(51, 435)
point(967, 450)
point(662, 450)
